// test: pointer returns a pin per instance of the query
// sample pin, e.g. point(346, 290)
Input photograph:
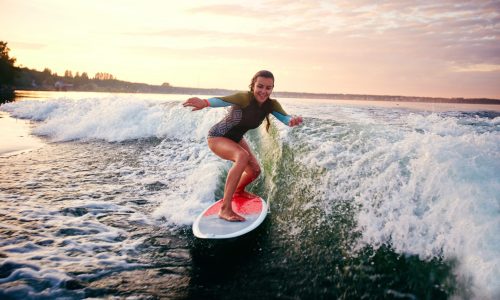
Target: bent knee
point(256, 171)
point(242, 157)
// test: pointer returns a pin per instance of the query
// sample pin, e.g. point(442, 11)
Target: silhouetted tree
point(7, 70)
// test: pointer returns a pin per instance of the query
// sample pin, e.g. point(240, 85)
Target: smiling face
point(262, 88)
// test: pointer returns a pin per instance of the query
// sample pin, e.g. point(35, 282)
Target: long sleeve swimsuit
point(244, 114)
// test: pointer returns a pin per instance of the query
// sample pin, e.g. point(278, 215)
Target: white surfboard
point(208, 225)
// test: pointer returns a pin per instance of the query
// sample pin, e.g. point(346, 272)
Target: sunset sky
point(413, 48)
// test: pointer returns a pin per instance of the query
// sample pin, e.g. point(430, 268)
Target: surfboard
point(208, 225)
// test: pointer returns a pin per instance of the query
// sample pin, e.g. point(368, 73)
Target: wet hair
point(261, 73)
point(265, 74)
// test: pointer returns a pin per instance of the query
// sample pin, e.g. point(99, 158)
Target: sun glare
point(342, 47)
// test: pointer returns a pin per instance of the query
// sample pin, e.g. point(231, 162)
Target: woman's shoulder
point(276, 106)
point(273, 101)
point(241, 98)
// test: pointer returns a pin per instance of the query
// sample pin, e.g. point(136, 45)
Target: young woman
point(226, 140)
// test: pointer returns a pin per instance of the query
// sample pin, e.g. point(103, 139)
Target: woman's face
point(262, 88)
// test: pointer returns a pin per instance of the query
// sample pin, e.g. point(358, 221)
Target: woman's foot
point(244, 194)
point(230, 216)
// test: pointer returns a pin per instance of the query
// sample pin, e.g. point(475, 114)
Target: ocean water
point(365, 202)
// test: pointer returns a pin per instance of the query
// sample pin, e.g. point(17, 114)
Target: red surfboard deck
point(208, 225)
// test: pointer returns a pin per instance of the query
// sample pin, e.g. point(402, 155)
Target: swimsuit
point(244, 114)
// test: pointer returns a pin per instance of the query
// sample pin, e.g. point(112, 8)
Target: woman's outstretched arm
point(198, 103)
point(285, 118)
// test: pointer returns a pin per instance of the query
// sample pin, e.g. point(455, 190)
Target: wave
point(112, 119)
point(428, 186)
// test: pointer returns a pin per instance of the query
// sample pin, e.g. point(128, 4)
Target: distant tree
point(104, 76)
point(85, 76)
point(165, 84)
point(77, 75)
point(68, 74)
point(7, 69)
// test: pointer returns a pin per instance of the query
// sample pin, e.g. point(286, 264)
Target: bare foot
point(245, 194)
point(230, 216)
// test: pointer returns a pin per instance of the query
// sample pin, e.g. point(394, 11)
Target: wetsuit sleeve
point(285, 119)
point(240, 99)
point(280, 113)
point(217, 102)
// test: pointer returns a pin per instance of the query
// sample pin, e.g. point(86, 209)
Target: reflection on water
point(7, 94)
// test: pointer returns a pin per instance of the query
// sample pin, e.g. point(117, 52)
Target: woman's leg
point(252, 171)
point(230, 150)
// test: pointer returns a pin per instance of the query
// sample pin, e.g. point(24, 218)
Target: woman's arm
point(285, 118)
point(217, 102)
point(198, 103)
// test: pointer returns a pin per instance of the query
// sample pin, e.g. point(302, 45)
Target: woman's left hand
point(296, 120)
point(196, 103)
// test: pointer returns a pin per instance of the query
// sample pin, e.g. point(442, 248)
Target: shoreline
point(412, 105)
point(423, 106)
point(278, 94)
point(18, 138)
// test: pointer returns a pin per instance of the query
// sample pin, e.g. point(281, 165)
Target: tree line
point(29, 79)
point(22, 78)
point(7, 71)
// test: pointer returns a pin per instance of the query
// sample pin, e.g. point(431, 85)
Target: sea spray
point(428, 188)
point(113, 119)
point(194, 185)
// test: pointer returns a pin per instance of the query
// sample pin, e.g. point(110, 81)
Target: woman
point(226, 140)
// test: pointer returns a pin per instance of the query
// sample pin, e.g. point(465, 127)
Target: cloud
point(26, 45)
point(460, 34)
point(232, 10)
point(448, 31)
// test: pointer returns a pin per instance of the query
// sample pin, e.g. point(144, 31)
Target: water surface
point(366, 202)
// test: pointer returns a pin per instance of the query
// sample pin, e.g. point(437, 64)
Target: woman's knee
point(256, 170)
point(242, 157)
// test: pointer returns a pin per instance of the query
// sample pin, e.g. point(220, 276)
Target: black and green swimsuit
point(245, 114)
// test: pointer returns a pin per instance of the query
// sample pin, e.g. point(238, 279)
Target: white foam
point(113, 118)
point(182, 160)
point(429, 187)
point(50, 279)
point(191, 185)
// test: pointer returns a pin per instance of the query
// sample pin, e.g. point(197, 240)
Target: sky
point(411, 48)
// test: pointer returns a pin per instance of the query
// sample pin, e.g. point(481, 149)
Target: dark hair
point(265, 74)
point(261, 73)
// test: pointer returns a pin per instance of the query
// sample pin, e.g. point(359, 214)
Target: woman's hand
point(196, 103)
point(296, 120)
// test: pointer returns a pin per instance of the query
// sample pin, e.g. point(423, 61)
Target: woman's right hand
point(196, 103)
point(295, 121)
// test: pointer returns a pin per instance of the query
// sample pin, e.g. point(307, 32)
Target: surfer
point(226, 140)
